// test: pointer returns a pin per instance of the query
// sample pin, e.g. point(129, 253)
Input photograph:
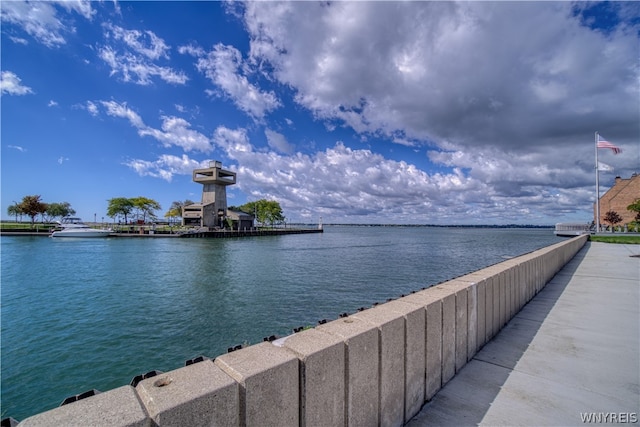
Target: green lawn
point(633, 240)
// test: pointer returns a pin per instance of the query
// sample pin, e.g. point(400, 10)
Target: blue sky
point(357, 112)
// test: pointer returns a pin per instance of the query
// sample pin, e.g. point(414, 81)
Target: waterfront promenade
point(569, 357)
point(379, 365)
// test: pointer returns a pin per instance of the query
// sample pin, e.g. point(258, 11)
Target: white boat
point(568, 229)
point(74, 227)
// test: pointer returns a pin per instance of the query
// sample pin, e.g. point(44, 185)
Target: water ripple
point(93, 313)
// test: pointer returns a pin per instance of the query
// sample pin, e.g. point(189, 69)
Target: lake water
point(79, 314)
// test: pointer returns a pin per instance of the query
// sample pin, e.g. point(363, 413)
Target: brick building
point(623, 193)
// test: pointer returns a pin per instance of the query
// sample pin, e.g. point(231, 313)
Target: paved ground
point(573, 352)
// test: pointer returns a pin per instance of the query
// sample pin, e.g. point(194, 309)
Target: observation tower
point(212, 209)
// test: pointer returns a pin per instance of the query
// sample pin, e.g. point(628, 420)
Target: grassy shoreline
point(621, 239)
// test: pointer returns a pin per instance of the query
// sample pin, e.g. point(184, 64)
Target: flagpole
point(597, 189)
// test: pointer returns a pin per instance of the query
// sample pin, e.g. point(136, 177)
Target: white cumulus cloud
point(165, 167)
point(174, 131)
point(224, 66)
point(41, 19)
point(11, 84)
point(133, 55)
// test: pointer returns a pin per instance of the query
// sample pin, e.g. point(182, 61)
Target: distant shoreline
point(426, 225)
point(45, 232)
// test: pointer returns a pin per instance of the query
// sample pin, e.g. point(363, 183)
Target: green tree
point(32, 206)
point(265, 211)
point(175, 211)
point(635, 207)
point(15, 210)
point(61, 210)
point(119, 206)
point(146, 206)
point(612, 217)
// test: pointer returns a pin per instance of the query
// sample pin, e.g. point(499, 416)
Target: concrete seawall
point(374, 367)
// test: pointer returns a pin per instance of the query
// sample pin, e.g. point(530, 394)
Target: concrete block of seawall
point(415, 343)
point(495, 277)
point(461, 328)
point(491, 284)
point(503, 299)
point(391, 330)
point(448, 333)
point(520, 278)
point(497, 296)
point(472, 320)
point(422, 298)
point(488, 320)
point(362, 348)
point(538, 266)
point(322, 369)
point(508, 280)
point(531, 278)
point(196, 395)
point(479, 275)
point(511, 281)
point(433, 380)
point(269, 384)
point(496, 303)
point(482, 309)
point(432, 303)
point(119, 407)
point(518, 287)
point(522, 284)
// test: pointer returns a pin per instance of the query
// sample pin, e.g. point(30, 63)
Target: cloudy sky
point(356, 112)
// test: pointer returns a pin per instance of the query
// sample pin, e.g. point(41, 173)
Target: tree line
point(265, 211)
point(32, 206)
point(141, 206)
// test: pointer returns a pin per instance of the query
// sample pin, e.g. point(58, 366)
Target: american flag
point(603, 143)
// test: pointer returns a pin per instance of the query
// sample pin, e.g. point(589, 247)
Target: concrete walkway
point(572, 353)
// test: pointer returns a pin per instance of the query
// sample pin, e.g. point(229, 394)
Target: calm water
point(79, 314)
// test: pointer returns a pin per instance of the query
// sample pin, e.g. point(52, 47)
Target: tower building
point(212, 210)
